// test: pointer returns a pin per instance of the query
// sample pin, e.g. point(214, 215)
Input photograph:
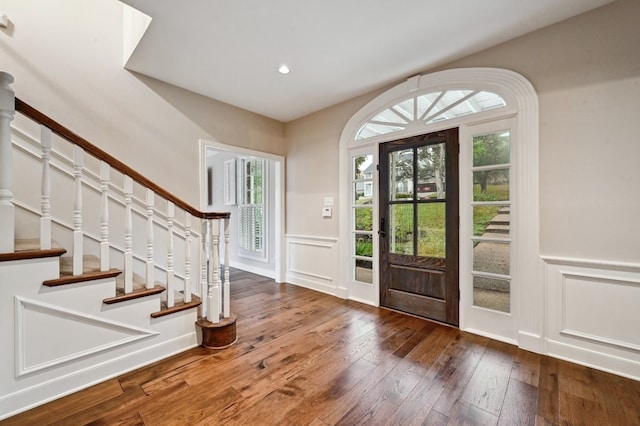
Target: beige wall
point(586, 71)
point(66, 57)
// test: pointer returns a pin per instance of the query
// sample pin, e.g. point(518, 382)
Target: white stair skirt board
point(49, 335)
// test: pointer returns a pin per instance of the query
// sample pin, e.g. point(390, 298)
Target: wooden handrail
point(67, 134)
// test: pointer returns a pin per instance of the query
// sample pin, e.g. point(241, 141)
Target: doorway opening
point(250, 185)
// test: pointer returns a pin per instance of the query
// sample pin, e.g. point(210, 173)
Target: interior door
point(419, 225)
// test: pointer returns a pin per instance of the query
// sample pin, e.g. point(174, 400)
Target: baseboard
point(624, 367)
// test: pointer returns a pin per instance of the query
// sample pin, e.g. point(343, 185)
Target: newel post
point(7, 215)
point(217, 323)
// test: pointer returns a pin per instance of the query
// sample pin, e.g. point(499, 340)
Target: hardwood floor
point(308, 358)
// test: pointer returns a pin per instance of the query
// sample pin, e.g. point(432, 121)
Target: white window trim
point(522, 104)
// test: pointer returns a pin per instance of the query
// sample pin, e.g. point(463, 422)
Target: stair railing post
point(213, 302)
point(104, 216)
point(187, 257)
point(170, 273)
point(128, 235)
point(78, 249)
point(7, 214)
point(205, 253)
point(227, 287)
point(150, 262)
point(45, 189)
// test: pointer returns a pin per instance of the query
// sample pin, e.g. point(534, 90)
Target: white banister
point(78, 164)
point(205, 243)
point(104, 216)
point(45, 189)
point(187, 257)
point(170, 273)
point(150, 263)
point(227, 287)
point(214, 274)
point(7, 214)
point(128, 236)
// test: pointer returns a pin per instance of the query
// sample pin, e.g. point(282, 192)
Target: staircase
point(101, 270)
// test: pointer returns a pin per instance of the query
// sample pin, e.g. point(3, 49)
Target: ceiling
point(230, 50)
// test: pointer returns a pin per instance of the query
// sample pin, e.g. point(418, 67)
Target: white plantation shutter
point(251, 210)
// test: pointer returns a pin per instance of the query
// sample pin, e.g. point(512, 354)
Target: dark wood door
point(419, 225)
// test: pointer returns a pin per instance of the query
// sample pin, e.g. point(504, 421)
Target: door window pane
point(431, 172)
point(491, 257)
point(400, 229)
point(401, 175)
point(432, 229)
point(363, 271)
point(491, 221)
point(363, 245)
point(491, 185)
point(491, 149)
point(492, 293)
point(363, 218)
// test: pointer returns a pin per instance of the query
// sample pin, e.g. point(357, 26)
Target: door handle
point(382, 231)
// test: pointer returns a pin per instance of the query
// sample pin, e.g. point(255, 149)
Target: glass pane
point(450, 97)
point(363, 167)
point(363, 244)
point(491, 293)
point(362, 193)
point(487, 100)
point(425, 101)
point(491, 257)
point(491, 221)
point(369, 130)
point(432, 229)
point(400, 229)
point(491, 149)
point(388, 116)
point(364, 271)
point(491, 185)
point(431, 172)
point(405, 108)
point(364, 218)
point(401, 175)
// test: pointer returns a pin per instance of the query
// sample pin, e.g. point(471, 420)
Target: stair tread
point(121, 296)
point(30, 249)
point(88, 276)
point(177, 307)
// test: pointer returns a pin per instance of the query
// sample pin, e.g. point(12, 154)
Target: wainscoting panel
point(312, 262)
point(593, 314)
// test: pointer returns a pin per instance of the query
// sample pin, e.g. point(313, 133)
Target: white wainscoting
point(312, 262)
point(593, 314)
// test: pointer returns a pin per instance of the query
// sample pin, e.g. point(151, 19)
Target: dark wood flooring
point(307, 358)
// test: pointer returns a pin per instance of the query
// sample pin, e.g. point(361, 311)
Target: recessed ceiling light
point(283, 69)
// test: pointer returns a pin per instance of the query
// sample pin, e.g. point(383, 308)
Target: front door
point(419, 225)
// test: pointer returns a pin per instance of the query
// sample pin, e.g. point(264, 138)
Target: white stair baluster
point(128, 236)
point(78, 164)
point(104, 216)
point(205, 241)
point(213, 314)
point(7, 214)
point(187, 257)
point(170, 274)
point(45, 189)
point(150, 262)
point(227, 287)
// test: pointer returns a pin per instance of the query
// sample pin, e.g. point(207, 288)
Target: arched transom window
point(429, 108)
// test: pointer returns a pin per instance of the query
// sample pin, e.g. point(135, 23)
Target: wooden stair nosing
point(88, 276)
point(31, 254)
point(136, 294)
point(178, 307)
